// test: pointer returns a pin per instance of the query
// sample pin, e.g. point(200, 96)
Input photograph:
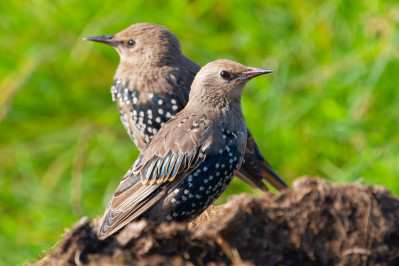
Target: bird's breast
point(203, 185)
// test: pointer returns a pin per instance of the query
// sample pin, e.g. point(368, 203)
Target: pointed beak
point(254, 72)
point(107, 39)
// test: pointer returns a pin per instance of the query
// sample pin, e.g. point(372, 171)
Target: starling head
point(222, 81)
point(143, 43)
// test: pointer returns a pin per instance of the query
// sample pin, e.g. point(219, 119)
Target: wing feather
point(154, 173)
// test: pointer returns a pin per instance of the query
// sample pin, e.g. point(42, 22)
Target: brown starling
point(193, 158)
point(152, 83)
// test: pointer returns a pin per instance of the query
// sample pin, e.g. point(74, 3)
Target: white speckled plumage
point(167, 181)
point(154, 77)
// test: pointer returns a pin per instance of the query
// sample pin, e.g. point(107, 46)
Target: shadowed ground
point(315, 223)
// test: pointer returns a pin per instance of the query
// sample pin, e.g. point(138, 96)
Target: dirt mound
point(315, 223)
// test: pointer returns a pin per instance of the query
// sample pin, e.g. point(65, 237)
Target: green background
point(330, 110)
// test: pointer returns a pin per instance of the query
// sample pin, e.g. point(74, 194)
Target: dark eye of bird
point(224, 74)
point(131, 43)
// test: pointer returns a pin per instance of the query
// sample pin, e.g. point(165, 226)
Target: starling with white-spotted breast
point(191, 160)
point(152, 83)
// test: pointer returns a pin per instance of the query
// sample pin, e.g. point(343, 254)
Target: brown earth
point(315, 223)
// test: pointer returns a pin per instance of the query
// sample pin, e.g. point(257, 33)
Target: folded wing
point(172, 154)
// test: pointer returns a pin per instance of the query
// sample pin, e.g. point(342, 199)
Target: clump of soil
point(315, 223)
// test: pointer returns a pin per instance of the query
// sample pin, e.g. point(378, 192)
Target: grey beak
point(107, 39)
point(254, 72)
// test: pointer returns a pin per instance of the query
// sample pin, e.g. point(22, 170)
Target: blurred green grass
point(330, 110)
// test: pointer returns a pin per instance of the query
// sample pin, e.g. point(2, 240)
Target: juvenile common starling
point(152, 83)
point(193, 158)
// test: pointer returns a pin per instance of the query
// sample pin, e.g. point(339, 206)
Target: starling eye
point(131, 43)
point(224, 74)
